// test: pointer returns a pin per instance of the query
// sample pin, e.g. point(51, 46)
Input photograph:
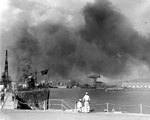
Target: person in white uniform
point(86, 100)
point(79, 105)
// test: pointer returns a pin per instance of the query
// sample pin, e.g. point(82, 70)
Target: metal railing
point(118, 108)
point(59, 104)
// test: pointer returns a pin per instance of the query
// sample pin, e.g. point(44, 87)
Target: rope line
point(64, 103)
point(100, 104)
point(146, 106)
point(128, 105)
point(117, 104)
point(110, 104)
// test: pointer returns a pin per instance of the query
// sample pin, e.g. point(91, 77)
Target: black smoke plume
point(114, 37)
point(103, 44)
point(26, 49)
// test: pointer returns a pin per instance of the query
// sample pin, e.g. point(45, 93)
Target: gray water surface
point(132, 99)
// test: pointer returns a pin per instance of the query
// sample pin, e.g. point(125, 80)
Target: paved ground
point(60, 115)
point(9, 104)
point(2, 116)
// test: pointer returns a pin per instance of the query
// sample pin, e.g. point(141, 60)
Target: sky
point(137, 11)
point(70, 17)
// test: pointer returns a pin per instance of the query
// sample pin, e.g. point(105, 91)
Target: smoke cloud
point(114, 37)
point(93, 38)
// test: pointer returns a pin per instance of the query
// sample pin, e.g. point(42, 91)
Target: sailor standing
point(86, 100)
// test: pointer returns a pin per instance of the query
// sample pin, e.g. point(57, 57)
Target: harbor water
point(125, 101)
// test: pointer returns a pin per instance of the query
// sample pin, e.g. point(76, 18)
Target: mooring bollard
point(75, 107)
point(44, 105)
point(62, 105)
point(49, 104)
point(141, 109)
point(107, 107)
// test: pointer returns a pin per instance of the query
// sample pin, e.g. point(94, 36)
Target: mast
point(6, 66)
point(5, 75)
point(36, 76)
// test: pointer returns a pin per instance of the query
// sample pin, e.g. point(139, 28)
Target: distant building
point(136, 85)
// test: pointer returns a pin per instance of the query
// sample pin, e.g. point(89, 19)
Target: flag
point(44, 72)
